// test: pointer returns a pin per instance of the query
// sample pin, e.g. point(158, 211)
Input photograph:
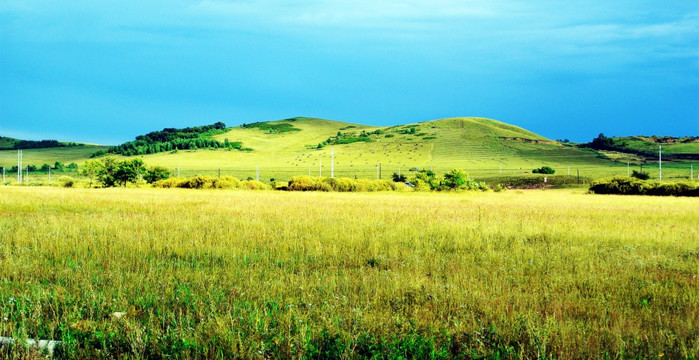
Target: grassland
point(235, 274)
point(482, 147)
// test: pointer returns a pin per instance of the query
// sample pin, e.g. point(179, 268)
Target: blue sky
point(106, 71)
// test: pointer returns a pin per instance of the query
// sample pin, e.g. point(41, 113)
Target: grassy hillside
point(7, 142)
point(649, 144)
point(285, 148)
point(38, 157)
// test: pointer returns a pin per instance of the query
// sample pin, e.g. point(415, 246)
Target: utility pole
point(178, 171)
point(578, 176)
point(27, 179)
point(332, 162)
point(568, 170)
point(377, 171)
point(49, 174)
point(3, 175)
point(628, 168)
point(660, 162)
point(320, 167)
point(691, 172)
point(19, 166)
point(257, 172)
point(380, 171)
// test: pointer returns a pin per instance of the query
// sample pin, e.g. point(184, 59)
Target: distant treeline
point(170, 139)
point(31, 144)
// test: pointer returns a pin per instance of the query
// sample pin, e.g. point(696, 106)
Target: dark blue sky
point(106, 71)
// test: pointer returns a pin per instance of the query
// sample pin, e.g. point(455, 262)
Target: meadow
point(259, 274)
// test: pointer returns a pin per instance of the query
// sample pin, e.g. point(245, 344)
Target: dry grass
point(220, 274)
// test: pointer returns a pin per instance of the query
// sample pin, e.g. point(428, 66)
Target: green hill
point(484, 148)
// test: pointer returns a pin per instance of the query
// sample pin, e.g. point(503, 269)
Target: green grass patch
point(272, 127)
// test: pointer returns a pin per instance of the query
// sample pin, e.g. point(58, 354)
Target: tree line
point(35, 144)
point(57, 167)
point(171, 139)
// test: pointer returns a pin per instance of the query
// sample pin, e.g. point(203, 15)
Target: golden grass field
point(259, 274)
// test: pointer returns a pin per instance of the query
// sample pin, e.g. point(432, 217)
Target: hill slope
point(480, 146)
point(297, 146)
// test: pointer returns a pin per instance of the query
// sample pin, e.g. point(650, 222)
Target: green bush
point(455, 179)
point(632, 186)
point(544, 170)
point(641, 175)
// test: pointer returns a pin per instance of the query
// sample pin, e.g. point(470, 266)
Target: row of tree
point(171, 139)
point(57, 167)
point(455, 179)
point(140, 147)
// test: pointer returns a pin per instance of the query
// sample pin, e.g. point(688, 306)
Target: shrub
point(204, 182)
point(341, 184)
point(421, 185)
point(226, 182)
point(168, 183)
point(305, 183)
point(399, 178)
point(632, 186)
point(66, 181)
point(254, 185)
point(544, 170)
point(641, 175)
point(374, 185)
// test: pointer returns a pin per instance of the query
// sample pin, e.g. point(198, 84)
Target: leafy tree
point(45, 167)
point(155, 173)
point(602, 142)
point(58, 166)
point(107, 172)
point(91, 169)
point(455, 179)
point(128, 171)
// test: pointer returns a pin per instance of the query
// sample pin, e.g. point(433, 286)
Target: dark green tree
point(155, 173)
point(128, 171)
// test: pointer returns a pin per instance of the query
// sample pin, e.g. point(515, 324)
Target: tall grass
point(231, 274)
